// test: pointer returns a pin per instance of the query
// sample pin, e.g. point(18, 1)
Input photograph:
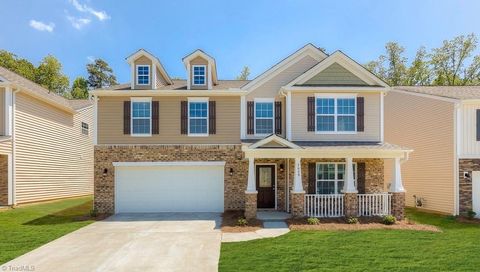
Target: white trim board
point(172, 163)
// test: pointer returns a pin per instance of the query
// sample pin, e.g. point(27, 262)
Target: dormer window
point(199, 75)
point(143, 74)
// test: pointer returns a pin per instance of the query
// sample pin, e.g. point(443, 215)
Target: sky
point(256, 33)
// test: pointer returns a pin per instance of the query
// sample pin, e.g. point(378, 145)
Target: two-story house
point(305, 137)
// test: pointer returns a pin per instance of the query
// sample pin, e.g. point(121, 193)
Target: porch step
point(272, 216)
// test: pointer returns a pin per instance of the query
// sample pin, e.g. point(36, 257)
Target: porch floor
point(272, 215)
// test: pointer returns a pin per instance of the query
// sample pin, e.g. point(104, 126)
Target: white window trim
point(149, 74)
point(196, 100)
point(263, 100)
point(335, 114)
point(87, 129)
point(140, 99)
point(205, 75)
point(336, 180)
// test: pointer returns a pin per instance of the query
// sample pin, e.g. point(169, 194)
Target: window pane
point(325, 106)
point(198, 126)
point(325, 187)
point(326, 171)
point(340, 187)
point(198, 109)
point(264, 126)
point(325, 123)
point(141, 109)
point(346, 123)
point(141, 126)
point(199, 75)
point(264, 109)
point(265, 177)
point(346, 106)
point(341, 171)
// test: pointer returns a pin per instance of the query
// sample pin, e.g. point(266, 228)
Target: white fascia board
point(172, 163)
point(226, 92)
point(298, 89)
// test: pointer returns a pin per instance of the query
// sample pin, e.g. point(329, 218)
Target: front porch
point(323, 181)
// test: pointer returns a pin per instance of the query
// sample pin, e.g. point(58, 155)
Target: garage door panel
point(169, 189)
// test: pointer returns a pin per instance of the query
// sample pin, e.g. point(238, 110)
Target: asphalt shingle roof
point(455, 92)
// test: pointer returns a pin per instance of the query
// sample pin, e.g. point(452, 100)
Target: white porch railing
point(374, 204)
point(324, 205)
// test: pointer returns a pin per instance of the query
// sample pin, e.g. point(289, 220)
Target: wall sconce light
point(282, 167)
point(466, 174)
point(105, 171)
point(231, 171)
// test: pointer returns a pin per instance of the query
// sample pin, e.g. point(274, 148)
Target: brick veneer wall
point(235, 185)
point(3, 180)
point(465, 184)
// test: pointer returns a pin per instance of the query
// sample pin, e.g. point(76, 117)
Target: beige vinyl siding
point(427, 126)
point(160, 79)
point(53, 159)
point(372, 124)
point(2, 111)
point(6, 147)
point(110, 122)
point(469, 146)
point(199, 61)
point(335, 74)
point(142, 61)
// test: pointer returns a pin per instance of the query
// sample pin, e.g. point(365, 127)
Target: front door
point(265, 186)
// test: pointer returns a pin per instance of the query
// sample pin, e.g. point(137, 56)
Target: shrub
point(471, 214)
point(313, 221)
point(352, 220)
point(242, 222)
point(93, 212)
point(389, 220)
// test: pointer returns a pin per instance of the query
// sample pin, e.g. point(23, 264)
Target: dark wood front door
point(265, 186)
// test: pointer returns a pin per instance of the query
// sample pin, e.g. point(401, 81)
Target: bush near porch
point(454, 249)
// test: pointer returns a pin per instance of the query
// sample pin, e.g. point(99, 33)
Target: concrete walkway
point(140, 242)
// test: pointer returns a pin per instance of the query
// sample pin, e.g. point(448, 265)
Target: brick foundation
point(3, 180)
point(298, 201)
point(465, 184)
point(235, 185)
point(398, 205)
point(250, 205)
point(350, 204)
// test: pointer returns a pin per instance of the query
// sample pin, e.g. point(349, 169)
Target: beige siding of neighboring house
point(2, 111)
point(142, 61)
point(425, 125)
point(53, 159)
point(6, 147)
point(271, 88)
point(199, 61)
point(469, 146)
point(110, 122)
point(160, 79)
point(372, 131)
point(335, 74)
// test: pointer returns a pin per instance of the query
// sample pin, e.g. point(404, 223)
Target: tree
point(100, 75)
point(79, 88)
point(449, 62)
point(244, 73)
point(15, 64)
point(419, 71)
point(390, 67)
point(49, 75)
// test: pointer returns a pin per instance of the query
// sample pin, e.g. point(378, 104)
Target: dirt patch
point(99, 217)
point(467, 220)
point(230, 219)
point(363, 224)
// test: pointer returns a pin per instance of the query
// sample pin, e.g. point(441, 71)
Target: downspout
point(14, 179)
point(456, 168)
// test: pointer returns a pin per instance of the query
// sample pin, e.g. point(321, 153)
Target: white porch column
point(251, 184)
point(297, 178)
point(397, 186)
point(349, 186)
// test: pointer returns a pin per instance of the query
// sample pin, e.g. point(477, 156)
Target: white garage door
point(169, 187)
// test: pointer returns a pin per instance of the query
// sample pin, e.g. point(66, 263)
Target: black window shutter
point(184, 117)
point(126, 117)
point(478, 125)
point(360, 113)
point(361, 177)
point(155, 117)
point(212, 118)
point(311, 113)
point(278, 117)
point(250, 120)
point(312, 179)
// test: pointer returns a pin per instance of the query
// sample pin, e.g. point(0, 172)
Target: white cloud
point(78, 23)
point(101, 15)
point(91, 59)
point(41, 26)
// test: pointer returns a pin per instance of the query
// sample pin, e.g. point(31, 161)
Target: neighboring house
point(442, 125)
point(305, 136)
point(46, 143)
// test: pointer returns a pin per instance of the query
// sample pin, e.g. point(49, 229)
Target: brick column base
point(298, 201)
point(251, 205)
point(398, 205)
point(350, 204)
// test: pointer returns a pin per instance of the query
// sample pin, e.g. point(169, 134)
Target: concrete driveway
point(133, 242)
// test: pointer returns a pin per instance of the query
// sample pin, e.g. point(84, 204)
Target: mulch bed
point(229, 222)
point(463, 219)
point(367, 223)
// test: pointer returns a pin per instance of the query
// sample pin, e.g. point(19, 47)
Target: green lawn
point(25, 228)
point(457, 248)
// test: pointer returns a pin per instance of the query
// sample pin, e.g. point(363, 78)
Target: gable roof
point(307, 50)
point(41, 93)
point(274, 139)
point(202, 54)
point(142, 52)
point(346, 62)
point(454, 92)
